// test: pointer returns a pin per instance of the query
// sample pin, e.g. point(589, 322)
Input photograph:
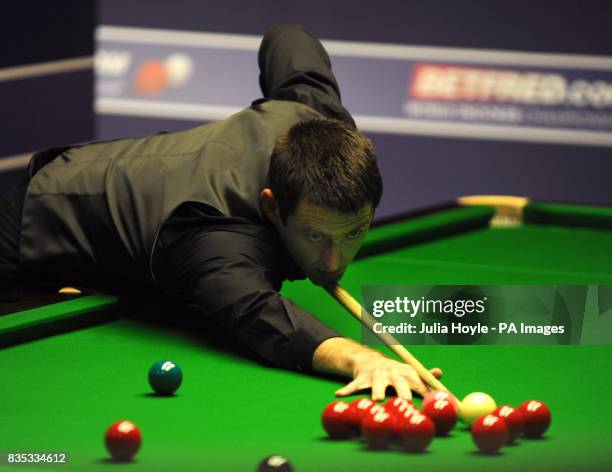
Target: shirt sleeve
point(231, 276)
point(294, 66)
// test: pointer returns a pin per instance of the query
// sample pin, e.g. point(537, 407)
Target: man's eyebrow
point(307, 227)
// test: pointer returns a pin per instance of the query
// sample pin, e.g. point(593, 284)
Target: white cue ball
point(475, 405)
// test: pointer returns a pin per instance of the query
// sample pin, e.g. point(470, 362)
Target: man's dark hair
point(327, 162)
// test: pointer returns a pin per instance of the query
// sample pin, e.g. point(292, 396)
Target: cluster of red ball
point(400, 422)
point(506, 423)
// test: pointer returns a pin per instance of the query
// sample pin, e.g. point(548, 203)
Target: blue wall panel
point(420, 167)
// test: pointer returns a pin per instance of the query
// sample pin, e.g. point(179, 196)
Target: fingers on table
point(380, 382)
point(404, 382)
point(352, 387)
point(402, 386)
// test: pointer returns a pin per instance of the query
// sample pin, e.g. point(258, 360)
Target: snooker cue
point(355, 309)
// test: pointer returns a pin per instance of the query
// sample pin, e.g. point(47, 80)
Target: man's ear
point(372, 214)
point(269, 206)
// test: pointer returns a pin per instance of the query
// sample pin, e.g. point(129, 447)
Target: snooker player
point(218, 216)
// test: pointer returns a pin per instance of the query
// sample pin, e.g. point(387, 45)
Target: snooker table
point(59, 393)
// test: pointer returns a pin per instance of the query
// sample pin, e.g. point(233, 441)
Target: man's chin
point(319, 282)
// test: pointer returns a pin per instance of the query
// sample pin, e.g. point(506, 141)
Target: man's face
point(322, 241)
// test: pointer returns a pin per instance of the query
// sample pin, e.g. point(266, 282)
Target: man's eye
point(314, 237)
point(355, 234)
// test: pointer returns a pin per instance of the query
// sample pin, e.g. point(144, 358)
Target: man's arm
point(294, 66)
point(229, 271)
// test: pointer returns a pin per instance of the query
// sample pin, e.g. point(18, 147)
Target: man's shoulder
point(198, 228)
point(197, 220)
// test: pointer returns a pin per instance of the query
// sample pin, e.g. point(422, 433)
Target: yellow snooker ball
point(475, 405)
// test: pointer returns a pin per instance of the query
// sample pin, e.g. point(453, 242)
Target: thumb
point(436, 372)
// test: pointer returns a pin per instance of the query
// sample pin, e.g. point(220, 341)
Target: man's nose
point(332, 258)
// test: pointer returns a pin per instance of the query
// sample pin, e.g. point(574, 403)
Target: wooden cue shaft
point(355, 309)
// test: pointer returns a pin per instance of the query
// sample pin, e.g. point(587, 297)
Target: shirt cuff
point(305, 340)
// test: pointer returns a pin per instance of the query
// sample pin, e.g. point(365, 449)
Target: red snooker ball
point(372, 410)
point(415, 432)
point(435, 395)
point(443, 413)
point(537, 418)
point(395, 403)
point(403, 413)
point(378, 428)
point(123, 440)
point(405, 410)
point(340, 420)
point(489, 433)
point(514, 420)
point(362, 405)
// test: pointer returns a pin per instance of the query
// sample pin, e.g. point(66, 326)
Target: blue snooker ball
point(165, 377)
